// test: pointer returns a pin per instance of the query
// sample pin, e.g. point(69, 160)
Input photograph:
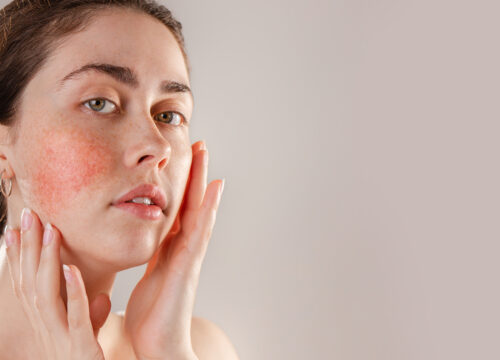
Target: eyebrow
point(126, 76)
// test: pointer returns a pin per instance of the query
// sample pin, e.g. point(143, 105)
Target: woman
point(95, 108)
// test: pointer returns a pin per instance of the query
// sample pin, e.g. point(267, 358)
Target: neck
point(15, 328)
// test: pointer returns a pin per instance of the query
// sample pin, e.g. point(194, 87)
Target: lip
point(143, 211)
point(152, 191)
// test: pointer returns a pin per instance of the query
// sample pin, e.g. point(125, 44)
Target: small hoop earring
point(2, 186)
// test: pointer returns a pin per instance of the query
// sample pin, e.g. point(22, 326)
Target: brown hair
point(31, 29)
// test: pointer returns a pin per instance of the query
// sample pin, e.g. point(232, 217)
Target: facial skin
point(72, 160)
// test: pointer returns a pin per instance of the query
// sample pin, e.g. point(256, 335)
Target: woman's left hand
point(160, 309)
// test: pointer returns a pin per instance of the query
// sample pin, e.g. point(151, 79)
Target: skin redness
point(73, 161)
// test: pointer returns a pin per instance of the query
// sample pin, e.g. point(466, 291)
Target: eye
point(168, 117)
point(98, 104)
point(171, 116)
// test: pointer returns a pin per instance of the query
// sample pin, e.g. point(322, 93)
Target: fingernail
point(26, 219)
point(48, 234)
point(9, 239)
point(203, 145)
point(67, 273)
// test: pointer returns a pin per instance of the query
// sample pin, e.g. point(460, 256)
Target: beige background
point(359, 141)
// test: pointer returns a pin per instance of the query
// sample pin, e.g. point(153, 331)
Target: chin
point(112, 253)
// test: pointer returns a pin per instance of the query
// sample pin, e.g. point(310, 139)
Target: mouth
point(146, 201)
point(143, 211)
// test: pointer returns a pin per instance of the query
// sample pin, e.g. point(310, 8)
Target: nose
point(145, 145)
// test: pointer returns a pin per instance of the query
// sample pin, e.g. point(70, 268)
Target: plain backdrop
point(360, 145)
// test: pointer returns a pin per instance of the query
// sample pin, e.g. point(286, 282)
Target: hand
point(35, 272)
point(159, 312)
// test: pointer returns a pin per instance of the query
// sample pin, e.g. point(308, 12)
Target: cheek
point(72, 162)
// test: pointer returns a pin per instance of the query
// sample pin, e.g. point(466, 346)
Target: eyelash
point(175, 112)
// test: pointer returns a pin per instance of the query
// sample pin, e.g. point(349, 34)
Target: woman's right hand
point(35, 268)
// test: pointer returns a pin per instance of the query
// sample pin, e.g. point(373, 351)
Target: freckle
point(71, 164)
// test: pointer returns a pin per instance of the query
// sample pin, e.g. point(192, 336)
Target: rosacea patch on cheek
point(70, 162)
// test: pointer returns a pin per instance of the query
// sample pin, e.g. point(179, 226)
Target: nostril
point(162, 163)
point(143, 157)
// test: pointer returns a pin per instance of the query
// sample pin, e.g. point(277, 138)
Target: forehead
point(147, 46)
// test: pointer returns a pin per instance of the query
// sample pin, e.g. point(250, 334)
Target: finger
point(184, 221)
point(13, 242)
point(48, 296)
point(195, 149)
point(198, 180)
point(196, 153)
point(200, 236)
point(197, 146)
point(31, 243)
point(79, 325)
point(196, 187)
point(13, 252)
point(189, 250)
point(31, 235)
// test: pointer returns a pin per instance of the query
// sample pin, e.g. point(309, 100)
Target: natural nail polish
point(48, 234)
point(67, 272)
point(9, 239)
point(26, 219)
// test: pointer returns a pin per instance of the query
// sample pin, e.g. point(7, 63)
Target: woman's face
point(85, 141)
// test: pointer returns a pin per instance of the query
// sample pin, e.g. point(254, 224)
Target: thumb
point(99, 310)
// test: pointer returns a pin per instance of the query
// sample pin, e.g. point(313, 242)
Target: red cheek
point(70, 164)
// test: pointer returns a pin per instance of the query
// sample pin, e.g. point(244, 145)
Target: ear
point(5, 152)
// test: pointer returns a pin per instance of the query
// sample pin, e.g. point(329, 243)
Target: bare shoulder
point(209, 340)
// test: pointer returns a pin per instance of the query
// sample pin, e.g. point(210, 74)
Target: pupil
point(98, 102)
